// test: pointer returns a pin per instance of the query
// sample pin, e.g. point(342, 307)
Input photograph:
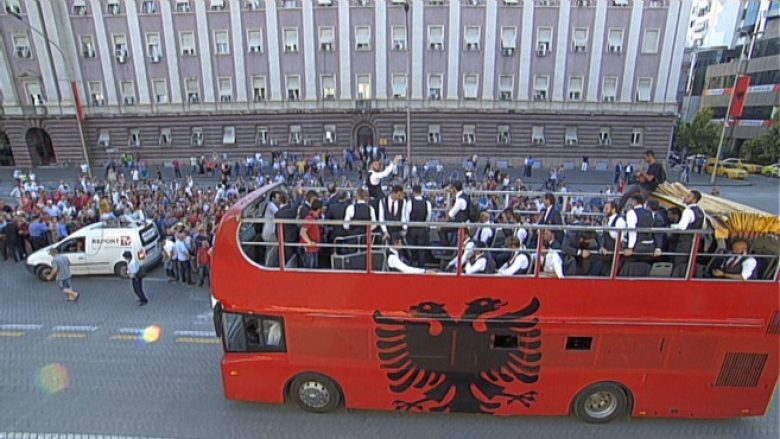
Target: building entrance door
point(41, 149)
point(364, 136)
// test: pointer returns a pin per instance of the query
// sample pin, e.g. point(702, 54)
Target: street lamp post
point(68, 78)
point(408, 88)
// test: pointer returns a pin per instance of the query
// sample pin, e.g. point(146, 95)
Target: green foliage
point(764, 150)
point(700, 136)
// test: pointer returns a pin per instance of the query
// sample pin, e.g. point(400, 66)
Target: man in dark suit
point(12, 240)
point(289, 231)
point(335, 211)
point(581, 248)
point(551, 215)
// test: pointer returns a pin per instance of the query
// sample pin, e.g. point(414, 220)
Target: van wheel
point(120, 269)
point(601, 403)
point(43, 272)
point(315, 393)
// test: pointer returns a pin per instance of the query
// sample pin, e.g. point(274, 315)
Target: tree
point(700, 136)
point(764, 149)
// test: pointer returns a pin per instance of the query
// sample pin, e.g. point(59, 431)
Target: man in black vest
point(639, 218)
point(392, 209)
point(739, 266)
point(692, 218)
point(458, 213)
point(374, 180)
point(418, 211)
point(360, 211)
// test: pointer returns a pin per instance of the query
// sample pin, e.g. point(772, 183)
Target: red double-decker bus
point(355, 335)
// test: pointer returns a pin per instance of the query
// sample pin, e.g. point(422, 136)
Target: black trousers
point(417, 236)
point(184, 271)
point(138, 289)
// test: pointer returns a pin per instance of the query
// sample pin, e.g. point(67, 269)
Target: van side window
point(75, 245)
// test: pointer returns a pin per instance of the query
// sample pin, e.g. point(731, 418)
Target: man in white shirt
point(169, 259)
point(552, 263)
point(739, 266)
point(518, 263)
point(396, 262)
point(269, 228)
point(375, 176)
point(613, 221)
point(135, 274)
point(484, 234)
point(360, 211)
point(418, 210)
point(480, 262)
point(468, 250)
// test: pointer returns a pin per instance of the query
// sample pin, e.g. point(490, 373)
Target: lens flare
point(53, 378)
point(151, 334)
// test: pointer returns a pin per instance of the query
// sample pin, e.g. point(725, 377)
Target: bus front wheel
point(601, 403)
point(315, 393)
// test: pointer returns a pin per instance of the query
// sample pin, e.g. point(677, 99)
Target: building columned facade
point(555, 79)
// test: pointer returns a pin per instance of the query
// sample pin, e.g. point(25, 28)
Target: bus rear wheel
point(601, 403)
point(315, 393)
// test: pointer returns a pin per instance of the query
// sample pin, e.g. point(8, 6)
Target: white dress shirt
point(553, 263)
point(485, 234)
point(748, 265)
point(376, 177)
point(407, 214)
point(687, 218)
point(395, 262)
point(350, 213)
point(459, 205)
point(519, 261)
point(393, 205)
point(477, 267)
point(468, 250)
point(619, 223)
point(631, 220)
point(133, 267)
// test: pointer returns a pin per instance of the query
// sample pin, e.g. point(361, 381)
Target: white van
point(98, 248)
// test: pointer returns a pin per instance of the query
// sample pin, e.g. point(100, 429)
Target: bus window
point(252, 333)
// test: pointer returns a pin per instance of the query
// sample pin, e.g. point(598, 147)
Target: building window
point(503, 136)
point(34, 92)
point(470, 85)
point(128, 92)
point(253, 5)
point(362, 38)
point(436, 37)
point(575, 88)
point(544, 37)
point(399, 134)
point(290, 39)
point(261, 136)
point(505, 87)
point(364, 86)
point(508, 40)
point(399, 37)
point(217, 5)
point(149, 7)
point(293, 87)
point(79, 7)
point(327, 39)
point(104, 139)
point(255, 40)
point(329, 134)
point(579, 41)
point(399, 86)
point(609, 89)
point(88, 46)
point(96, 93)
point(196, 138)
point(650, 41)
point(328, 87)
point(13, 6)
point(229, 135)
point(434, 87)
point(296, 135)
point(636, 137)
point(193, 91)
point(537, 135)
point(134, 137)
point(113, 7)
point(469, 134)
point(541, 84)
point(258, 88)
point(183, 6)
point(434, 134)
point(120, 48)
point(605, 136)
point(166, 137)
point(643, 89)
point(22, 47)
point(571, 136)
point(221, 42)
point(290, 4)
point(187, 43)
point(153, 48)
point(324, 2)
point(471, 38)
point(225, 89)
point(615, 41)
point(160, 89)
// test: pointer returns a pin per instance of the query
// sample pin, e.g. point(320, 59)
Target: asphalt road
point(92, 369)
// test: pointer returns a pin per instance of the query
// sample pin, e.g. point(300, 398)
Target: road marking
point(68, 335)
point(12, 334)
point(29, 435)
point(200, 340)
point(196, 333)
point(21, 326)
point(76, 328)
point(125, 337)
point(131, 330)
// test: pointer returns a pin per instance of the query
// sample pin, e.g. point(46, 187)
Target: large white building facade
point(554, 79)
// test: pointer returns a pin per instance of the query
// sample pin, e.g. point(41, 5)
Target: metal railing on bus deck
point(371, 244)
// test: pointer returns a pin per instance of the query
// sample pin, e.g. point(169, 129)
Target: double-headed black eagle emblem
point(460, 365)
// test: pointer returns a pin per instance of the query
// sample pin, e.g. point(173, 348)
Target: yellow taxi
point(771, 170)
point(750, 167)
point(730, 170)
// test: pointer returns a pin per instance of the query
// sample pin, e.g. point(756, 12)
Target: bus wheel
point(315, 393)
point(43, 272)
point(601, 403)
point(120, 269)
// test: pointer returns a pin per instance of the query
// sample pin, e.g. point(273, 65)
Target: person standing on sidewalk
point(184, 270)
point(60, 268)
point(204, 262)
point(136, 274)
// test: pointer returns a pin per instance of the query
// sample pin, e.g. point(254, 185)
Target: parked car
point(730, 170)
point(749, 167)
point(771, 170)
